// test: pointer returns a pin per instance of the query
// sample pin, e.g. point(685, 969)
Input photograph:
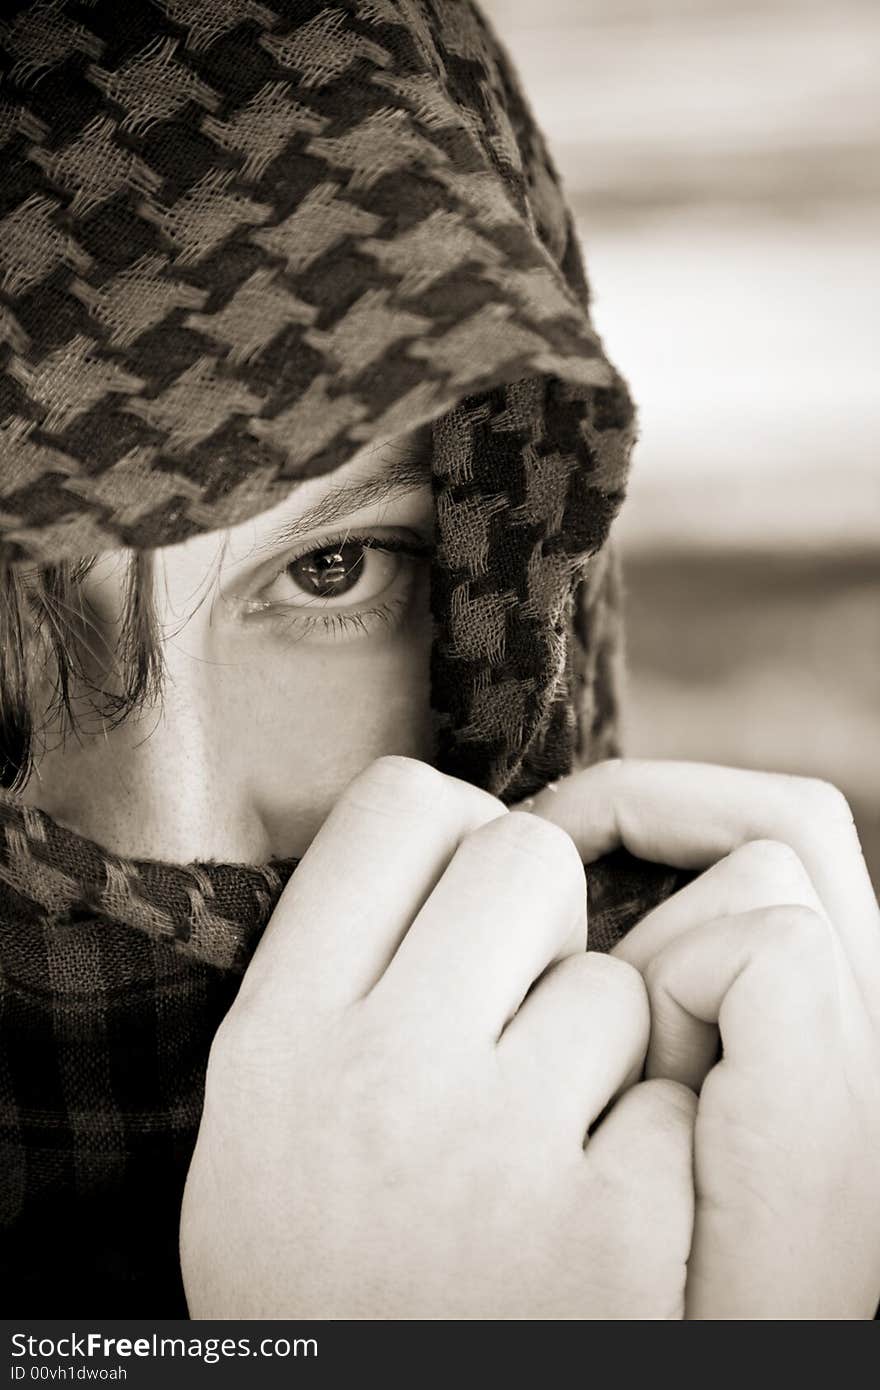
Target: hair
point(46, 636)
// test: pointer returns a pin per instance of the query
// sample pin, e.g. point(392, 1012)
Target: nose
point(253, 738)
point(189, 780)
point(166, 784)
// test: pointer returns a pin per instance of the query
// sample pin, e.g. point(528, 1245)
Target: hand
point(392, 1129)
point(776, 949)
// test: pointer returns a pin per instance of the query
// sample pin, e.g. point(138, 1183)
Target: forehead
point(396, 464)
point(364, 486)
point(378, 472)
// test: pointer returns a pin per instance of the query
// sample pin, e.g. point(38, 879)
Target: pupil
point(327, 573)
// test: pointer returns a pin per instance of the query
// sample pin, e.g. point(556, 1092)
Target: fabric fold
point(238, 242)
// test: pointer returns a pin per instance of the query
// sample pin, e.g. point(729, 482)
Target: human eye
point(344, 586)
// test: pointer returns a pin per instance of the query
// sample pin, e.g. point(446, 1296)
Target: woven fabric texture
point(238, 242)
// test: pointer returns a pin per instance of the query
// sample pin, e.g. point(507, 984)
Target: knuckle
point(540, 841)
point(646, 1163)
point(798, 933)
point(770, 859)
point(826, 801)
point(394, 784)
point(394, 776)
point(798, 973)
point(571, 969)
point(612, 973)
point(669, 1106)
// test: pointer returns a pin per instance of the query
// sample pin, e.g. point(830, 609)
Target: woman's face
point(296, 649)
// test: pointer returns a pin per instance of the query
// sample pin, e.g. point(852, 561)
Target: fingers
point(763, 873)
point(581, 1037)
point(372, 864)
point(692, 814)
point(648, 1131)
point(510, 902)
point(785, 1121)
point(768, 980)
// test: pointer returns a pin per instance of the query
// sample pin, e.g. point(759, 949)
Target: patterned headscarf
point(238, 242)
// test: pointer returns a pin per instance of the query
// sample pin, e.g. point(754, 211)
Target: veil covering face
point(239, 242)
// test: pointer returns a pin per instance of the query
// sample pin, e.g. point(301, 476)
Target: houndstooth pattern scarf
point(238, 241)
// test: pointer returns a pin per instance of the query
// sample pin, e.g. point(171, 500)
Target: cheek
point(309, 719)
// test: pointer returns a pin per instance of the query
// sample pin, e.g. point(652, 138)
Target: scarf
point(238, 242)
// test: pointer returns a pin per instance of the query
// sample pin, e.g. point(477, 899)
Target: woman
point(311, 456)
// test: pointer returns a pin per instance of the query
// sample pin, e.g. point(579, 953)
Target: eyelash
point(337, 622)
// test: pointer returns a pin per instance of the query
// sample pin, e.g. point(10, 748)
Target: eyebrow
point(406, 469)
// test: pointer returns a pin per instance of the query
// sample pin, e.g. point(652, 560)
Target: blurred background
point(723, 162)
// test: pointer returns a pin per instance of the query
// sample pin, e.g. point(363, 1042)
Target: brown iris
point(329, 572)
